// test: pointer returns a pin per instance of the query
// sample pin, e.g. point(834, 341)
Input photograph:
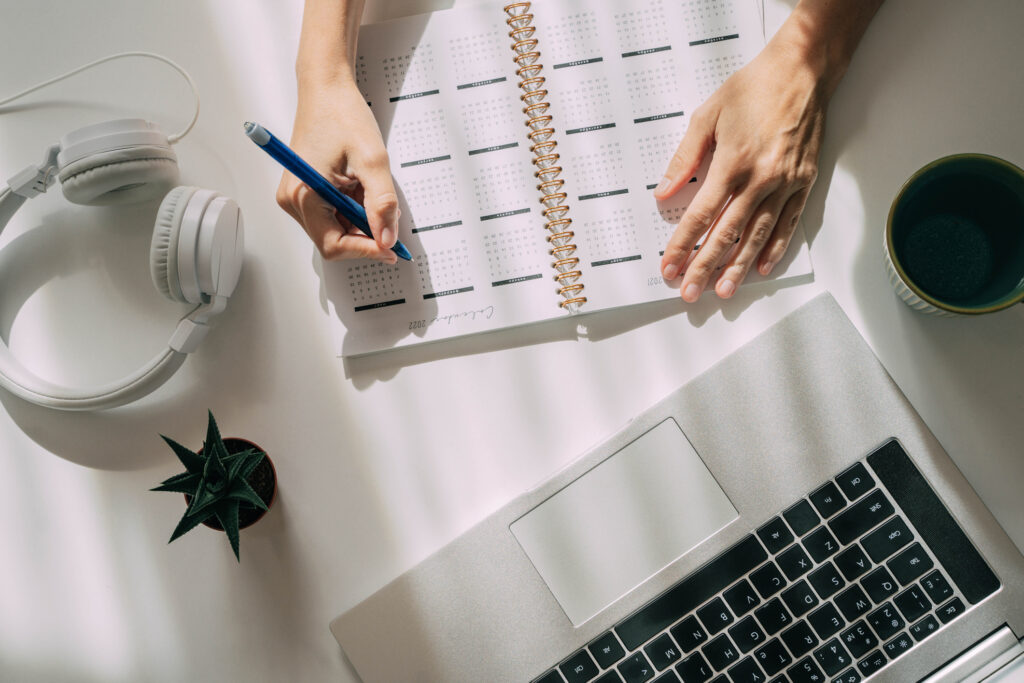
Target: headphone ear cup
point(163, 250)
point(121, 176)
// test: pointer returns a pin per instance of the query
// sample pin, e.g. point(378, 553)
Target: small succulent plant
point(214, 483)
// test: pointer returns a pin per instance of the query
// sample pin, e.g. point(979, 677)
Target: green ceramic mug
point(954, 240)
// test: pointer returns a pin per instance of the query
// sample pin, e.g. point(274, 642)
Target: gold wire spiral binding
point(542, 145)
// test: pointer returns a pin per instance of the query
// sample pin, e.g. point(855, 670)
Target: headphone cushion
point(163, 250)
point(120, 176)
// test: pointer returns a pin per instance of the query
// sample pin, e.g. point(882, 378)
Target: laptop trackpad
point(618, 524)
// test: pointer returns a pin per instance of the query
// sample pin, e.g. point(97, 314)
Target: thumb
point(696, 142)
point(381, 203)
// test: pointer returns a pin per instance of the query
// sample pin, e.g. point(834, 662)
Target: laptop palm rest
point(606, 532)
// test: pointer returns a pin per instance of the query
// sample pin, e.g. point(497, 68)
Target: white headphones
point(195, 256)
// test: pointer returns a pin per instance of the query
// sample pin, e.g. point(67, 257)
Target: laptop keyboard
point(833, 589)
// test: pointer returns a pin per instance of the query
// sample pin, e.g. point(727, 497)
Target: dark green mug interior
point(957, 231)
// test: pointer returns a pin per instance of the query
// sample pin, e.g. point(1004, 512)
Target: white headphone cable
point(174, 65)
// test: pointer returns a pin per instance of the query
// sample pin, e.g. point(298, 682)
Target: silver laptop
point(786, 516)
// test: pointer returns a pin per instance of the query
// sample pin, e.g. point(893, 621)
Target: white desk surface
point(382, 462)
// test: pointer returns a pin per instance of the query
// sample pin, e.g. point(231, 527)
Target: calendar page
point(622, 81)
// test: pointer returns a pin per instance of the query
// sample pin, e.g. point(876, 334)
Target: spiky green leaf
point(252, 463)
point(227, 515)
point(214, 445)
point(241, 491)
point(187, 523)
point(192, 461)
point(203, 499)
point(186, 482)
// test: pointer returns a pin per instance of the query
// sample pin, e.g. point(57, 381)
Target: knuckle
point(726, 236)
point(387, 202)
point(762, 230)
point(375, 158)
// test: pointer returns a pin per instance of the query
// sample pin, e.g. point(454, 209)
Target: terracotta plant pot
point(263, 480)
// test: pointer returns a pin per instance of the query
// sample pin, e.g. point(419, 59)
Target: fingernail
point(726, 288)
point(671, 271)
point(766, 268)
point(691, 293)
point(662, 186)
point(387, 237)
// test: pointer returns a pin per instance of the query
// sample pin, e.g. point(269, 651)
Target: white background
point(382, 461)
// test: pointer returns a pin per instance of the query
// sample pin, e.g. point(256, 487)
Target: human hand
point(764, 125)
point(338, 136)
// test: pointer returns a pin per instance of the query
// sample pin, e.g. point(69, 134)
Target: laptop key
point(879, 584)
point(872, 663)
point(886, 621)
point(636, 669)
point(662, 652)
point(848, 676)
point(775, 535)
point(747, 634)
point(805, 671)
point(550, 677)
point(855, 481)
point(768, 580)
point(794, 562)
point(801, 517)
point(832, 657)
point(606, 650)
point(721, 653)
point(610, 677)
point(887, 539)
point(912, 603)
point(667, 677)
point(799, 598)
point(853, 603)
point(825, 621)
point(855, 521)
point(773, 657)
point(694, 669)
point(579, 668)
point(746, 671)
point(937, 587)
point(951, 610)
point(924, 628)
point(689, 634)
point(821, 545)
point(828, 500)
point(852, 562)
point(910, 564)
point(898, 645)
point(799, 639)
point(773, 617)
point(742, 598)
point(715, 616)
point(858, 639)
point(826, 580)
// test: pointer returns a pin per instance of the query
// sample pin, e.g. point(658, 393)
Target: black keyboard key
point(667, 677)
point(855, 521)
point(773, 657)
point(768, 580)
point(636, 669)
point(826, 580)
point(781, 678)
point(550, 677)
point(924, 628)
point(689, 634)
point(879, 584)
point(887, 539)
point(855, 481)
point(610, 677)
point(794, 562)
point(721, 653)
point(720, 679)
point(937, 587)
point(912, 603)
point(898, 646)
point(606, 650)
point(832, 657)
point(853, 603)
point(775, 535)
point(579, 668)
point(694, 669)
point(741, 598)
point(852, 562)
point(799, 639)
point(951, 610)
point(828, 500)
point(799, 598)
point(910, 564)
point(662, 652)
point(806, 671)
point(692, 591)
point(858, 639)
point(746, 672)
point(886, 621)
point(872, 663)
point(747, 635)
point(825, 620)
point(821, 544)
point(801, 517)
point(937, 528)
point(848, 676)
point(715, 616)
point(773, 617)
